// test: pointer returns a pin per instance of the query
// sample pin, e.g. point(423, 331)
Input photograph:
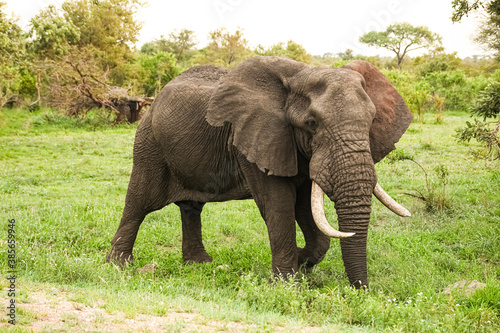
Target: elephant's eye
point(312, 124)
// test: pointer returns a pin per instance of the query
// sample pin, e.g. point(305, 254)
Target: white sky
point(321, 26)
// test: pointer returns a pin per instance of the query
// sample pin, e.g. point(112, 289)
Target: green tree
point(161, 68)
point(291, 50)
point(12, 50)
point(178, 43)
point(402, 38)
point(346, 55)
point(462, 8)
point(85, 52)
point(51, 34)
point(109, 26)
point(226, 49)
point(489, 29)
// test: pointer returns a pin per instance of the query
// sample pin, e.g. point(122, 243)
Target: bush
point(486, 133)
point(161, 68)
point(453, 86)
point(415, 91)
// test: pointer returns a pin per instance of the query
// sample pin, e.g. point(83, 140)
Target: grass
point(64, 181)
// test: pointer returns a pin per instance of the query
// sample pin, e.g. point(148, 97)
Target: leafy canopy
point(227, 49)
point(291, 50)
point(178, 43)
point(12, 50)
point(402, 38)
point(462, 8)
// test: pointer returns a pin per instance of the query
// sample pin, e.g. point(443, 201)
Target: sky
point(321, 26)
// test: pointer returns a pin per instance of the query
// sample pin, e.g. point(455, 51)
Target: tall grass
point(65, 184)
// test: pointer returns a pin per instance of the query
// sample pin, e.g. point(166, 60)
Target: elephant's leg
point(275, 197)
point(147, 192)
point(124, 239)
point(192, 243)
point(317, 243)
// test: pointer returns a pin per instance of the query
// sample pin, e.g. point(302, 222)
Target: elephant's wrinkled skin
point(266, 130)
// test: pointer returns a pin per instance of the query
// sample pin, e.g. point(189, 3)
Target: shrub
point(453, 85)
point(415, 91)
point(486, 133)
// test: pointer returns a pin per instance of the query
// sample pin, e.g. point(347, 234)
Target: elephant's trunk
point(349, 183)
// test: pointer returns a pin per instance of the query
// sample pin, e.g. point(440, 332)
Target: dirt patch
point(54, 313)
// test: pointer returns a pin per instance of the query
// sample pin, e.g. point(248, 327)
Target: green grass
point(65, 180)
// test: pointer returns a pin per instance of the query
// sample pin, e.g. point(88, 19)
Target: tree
point(51, 34)
point(110, 27)
point(462, 8)
point(291, 50)
point(12, 49)
point(402, 38)
point(489, 30)
point(348, 54)
point(226, 49)
point(161, 68)
point(179, 43)
point(85, 51)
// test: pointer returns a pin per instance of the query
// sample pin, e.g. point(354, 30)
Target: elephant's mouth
point(319, 216)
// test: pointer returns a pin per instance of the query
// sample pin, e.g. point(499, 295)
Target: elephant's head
point(343, 120)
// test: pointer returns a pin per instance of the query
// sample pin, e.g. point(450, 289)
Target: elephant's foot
point(119, 258)
point(308, 259)
point(199, 257)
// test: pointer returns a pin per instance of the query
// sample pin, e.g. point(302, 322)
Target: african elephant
point(275, 130)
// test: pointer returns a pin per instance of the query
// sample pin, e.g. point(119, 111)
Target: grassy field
point(64, 182)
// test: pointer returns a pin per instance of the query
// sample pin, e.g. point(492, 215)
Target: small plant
point(435, 196)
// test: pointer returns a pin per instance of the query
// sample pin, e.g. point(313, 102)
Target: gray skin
point(265, 130)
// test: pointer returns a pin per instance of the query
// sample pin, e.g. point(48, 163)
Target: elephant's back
point(207, 73)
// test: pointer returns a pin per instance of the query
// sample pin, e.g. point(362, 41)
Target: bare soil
point(53, 312)
point(56, 313)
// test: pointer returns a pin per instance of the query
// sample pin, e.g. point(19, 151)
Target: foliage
point(51, 34)
point(104, 33)
point(109, 26)
point(160, 67)
point(415, 91)
point(487, 133)
point(453, 86)
point(436, 62)
point(489, 32)
point(348, 54)
point(291, 50)
point(225, 49)
point(488, 104)
point(84, 53)
point(179, 43)
point(401, 38)
point(12, 44)
point(462, 8)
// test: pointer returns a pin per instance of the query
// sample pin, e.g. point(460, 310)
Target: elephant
point(277, 131)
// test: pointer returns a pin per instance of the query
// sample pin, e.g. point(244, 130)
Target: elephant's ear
point(252, 98)
point(392, 117)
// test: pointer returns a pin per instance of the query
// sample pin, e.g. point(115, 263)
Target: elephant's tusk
point(319, 217)
point(389, 202)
